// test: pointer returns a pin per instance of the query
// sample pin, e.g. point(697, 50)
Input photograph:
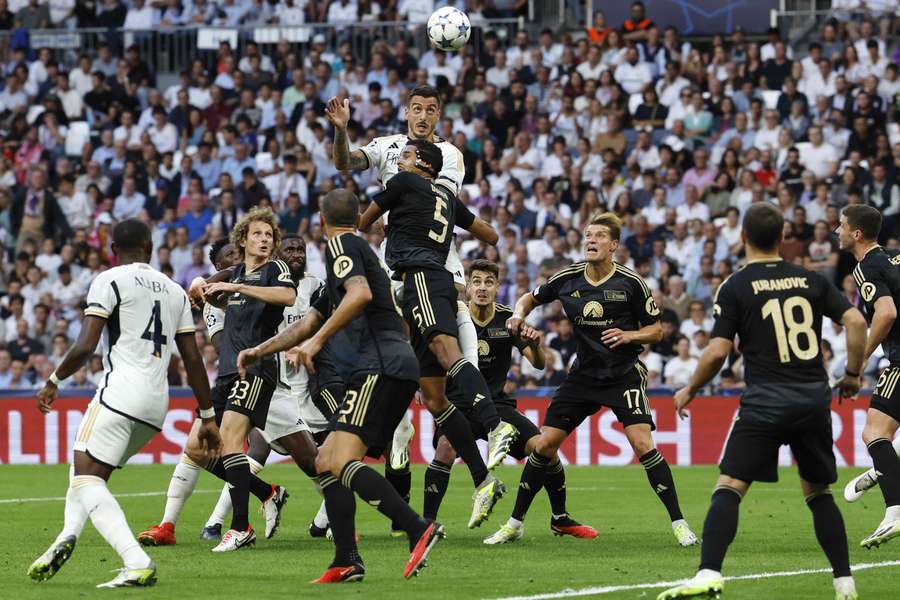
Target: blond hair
point(238, 235)
point(611, 221)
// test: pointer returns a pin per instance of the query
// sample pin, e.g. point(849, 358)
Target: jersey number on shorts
point(788, 329)
point(154, 331)
point(349, 404)
point(239, 391)
point(440, 206)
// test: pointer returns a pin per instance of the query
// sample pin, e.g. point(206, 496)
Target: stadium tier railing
point(29, 437)
point(171, 50)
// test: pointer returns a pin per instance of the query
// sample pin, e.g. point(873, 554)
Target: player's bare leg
point(474, 389)
point(660, 476)
point(89, 497)
point(879, 431)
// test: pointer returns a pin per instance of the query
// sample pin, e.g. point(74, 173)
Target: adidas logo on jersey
point(575, 294)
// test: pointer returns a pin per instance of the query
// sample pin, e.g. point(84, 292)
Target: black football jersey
point(376, 335)
point(776, 308)
point(333, 363)
point(495, 344)
point(877, 275)
point(249, 322)
point(421, 220)
point(621, 301)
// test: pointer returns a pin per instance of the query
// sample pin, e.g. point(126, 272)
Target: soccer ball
point(448, 29)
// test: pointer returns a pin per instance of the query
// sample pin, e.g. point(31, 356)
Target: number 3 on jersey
point(788, 339)
point(154, 331)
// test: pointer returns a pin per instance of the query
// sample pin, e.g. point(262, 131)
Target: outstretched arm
point(338, 113)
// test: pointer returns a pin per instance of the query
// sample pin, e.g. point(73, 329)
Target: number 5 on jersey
point(440, 207)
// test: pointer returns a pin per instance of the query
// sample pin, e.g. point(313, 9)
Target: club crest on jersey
point(867, 291)
point(592, 310)
point(342, 266)
point(483, 348)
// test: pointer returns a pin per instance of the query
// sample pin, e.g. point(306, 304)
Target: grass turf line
point(635, 544)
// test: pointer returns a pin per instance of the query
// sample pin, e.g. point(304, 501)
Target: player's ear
point(115, 249)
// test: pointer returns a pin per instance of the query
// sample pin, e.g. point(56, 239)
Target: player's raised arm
point(338, 113)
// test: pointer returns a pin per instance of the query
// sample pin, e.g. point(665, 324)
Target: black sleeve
point(548, 292)
point(278, 274)
point(463, 216)
point(874, 284)
point(321, 302)
point(392, 192)
point(645, 306)
point(726, 312)
point(836, 304)
point(350, 260)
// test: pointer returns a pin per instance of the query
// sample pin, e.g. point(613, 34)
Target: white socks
point(468, 338)
point(109, 520)
point(75, 516)
point(181, 486)
point(321, 518)
point(514, 523)
point(845, 585)
point(223, 506)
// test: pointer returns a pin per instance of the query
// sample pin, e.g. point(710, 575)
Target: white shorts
point(455, 266)
point(311, 415)
point(109, 437)
point(283, 419)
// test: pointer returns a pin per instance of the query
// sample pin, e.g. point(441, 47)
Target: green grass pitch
point(635, 545)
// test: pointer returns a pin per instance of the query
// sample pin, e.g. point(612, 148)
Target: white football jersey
point(215, 319)
point(144, 311)
point(287, 376)
point(383, 153)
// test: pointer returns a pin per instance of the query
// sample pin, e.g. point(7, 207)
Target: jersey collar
point(601, 281)
point(764, 260)
point(875, 247)
point(489, 318)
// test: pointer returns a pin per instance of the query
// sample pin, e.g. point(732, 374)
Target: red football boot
point(158, 535)
point(433, 534)
point(565, 525)
point(354, 572)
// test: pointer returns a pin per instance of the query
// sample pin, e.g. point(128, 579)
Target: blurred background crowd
point(677, 137)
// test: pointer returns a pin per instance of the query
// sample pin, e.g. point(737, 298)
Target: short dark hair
point(131, 235)
point(340, 208)
point(428, 153)
point(290, 236)
point(216, 248)
point(425, 91)
point(763, 224)
point(488, 266)
point(865, 218)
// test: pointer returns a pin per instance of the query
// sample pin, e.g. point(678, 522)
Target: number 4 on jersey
point(154, 331)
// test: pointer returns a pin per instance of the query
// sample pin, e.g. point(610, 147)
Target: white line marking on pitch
point(62, 498)
point(594, 591)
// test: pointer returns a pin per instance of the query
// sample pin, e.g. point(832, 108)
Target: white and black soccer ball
point(449, 29)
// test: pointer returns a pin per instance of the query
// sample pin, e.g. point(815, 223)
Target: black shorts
point(328, 398)
point(250, 396)
point(373, 406)
point(429, 307)
point(886, 397)
point(579, 397)
point(523, 425)
point(751, 450)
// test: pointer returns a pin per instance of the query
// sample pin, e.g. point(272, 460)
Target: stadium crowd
point(677, 138)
